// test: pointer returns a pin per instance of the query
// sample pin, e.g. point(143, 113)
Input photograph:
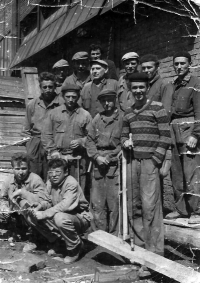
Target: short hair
point(46, 76)
point(95, 47)
point(58, 162)
point(183, 53)
point(150, 58)
point(20, 157)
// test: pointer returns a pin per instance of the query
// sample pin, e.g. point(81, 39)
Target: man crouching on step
point(147, 121)
point(70, 211)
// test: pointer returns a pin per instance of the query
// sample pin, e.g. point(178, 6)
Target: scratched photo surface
point(99, 141)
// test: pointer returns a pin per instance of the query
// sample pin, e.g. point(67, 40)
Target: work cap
point(80, 55)
point(60, 63)
point(149, 58)
point(70, 87)
point(138, 77)
point(100, 62)
point(182, 54)
point(130, 55)
point(107, 92)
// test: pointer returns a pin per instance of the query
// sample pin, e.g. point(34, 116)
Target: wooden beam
point(153, 261)
point(31, 83)
point(181, 235)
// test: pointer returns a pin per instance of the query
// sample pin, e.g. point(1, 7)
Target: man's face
point(61, 73)
point(181, 66)
point(71, 99)
point(108, 102)
point(20, 170)
point(150, 69)
point(130, 66)
point(95, 54)
point(97, 71)
point(47, 90)
point(57, 175)
point(81, 65)
point(139, 90)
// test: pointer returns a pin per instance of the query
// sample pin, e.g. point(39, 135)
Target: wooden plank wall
point(14, 94)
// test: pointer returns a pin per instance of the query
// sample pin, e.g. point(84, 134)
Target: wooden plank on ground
point(151, 260)
point(181, 235)
point(181, 222)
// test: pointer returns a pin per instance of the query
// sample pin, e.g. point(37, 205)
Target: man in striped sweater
point(148, 123)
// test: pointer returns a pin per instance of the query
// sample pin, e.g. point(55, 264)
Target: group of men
point(77, 128)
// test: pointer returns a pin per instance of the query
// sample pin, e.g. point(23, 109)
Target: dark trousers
point(185, 178)
point(105, 199)
point(38, 157)
point(146, 183)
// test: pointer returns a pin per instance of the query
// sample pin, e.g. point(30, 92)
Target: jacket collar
point(184, 81)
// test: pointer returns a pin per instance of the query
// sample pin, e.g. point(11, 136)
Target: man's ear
point(106, 71)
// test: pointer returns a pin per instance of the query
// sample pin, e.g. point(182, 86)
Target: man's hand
point(16, 194)
point(127, 144)
point(38, 215)
point(55, 154)
point(74, 144)
point(192, 142)
point(165, 168)
point(36, 206)
point(102, 161)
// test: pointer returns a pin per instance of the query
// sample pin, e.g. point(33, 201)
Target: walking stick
point(124, 197)
point(131, 195)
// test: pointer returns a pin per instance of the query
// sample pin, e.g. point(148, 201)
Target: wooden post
point(31, 83)
point(124, 197)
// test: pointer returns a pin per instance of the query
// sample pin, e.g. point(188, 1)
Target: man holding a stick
point(148, 123)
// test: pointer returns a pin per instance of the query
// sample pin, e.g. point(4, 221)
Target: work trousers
point(186, 179)
point(105, 199)
point(38, 157)
point(146, 181)
point(63, 225)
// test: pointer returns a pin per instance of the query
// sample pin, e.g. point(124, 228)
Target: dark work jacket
point(112, 73)
point(186, 101)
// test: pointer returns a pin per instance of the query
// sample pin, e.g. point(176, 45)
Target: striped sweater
point(150, 131)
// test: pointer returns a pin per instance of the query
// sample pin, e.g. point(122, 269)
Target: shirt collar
point(64, 109)
point(27, 181)
point(114, 116)
point(54, 101)
point(184, 81)
point(155, 78)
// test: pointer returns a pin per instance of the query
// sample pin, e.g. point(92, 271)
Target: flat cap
point(107, 92)
point(130, 55)
point(60, 63)
point(70, 87)
point(182, 54)
point(138, 77)
point(80, 55)
point(98, 61)
point(149, 58)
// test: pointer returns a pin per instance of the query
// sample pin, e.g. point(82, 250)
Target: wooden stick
point(124, 197)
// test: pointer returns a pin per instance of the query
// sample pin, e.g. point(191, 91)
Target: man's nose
point(70, 99)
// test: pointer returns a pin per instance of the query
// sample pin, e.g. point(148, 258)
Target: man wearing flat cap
point(65, 131)
point(81, 74)
point(89, 94)
point(103, 146)
point(185, 121)
point(148, 123)
point(130, 63)
point(61, 71)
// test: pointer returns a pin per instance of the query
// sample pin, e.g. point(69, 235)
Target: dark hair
point(95, 47)
point(20, 157)
point(183, 53)
point(46, 76)
point(58, 162)
point(148, 58)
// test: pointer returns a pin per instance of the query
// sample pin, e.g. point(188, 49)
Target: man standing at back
point(130, 63)
point(89, 94)
point(61, 71)
point(36, 112)
point(96, 53)
point(185, 121)
point(81, 74)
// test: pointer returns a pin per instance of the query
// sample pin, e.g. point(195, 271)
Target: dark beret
point(149, 58)
point(70, 87)
point(107, 92)
point(182, 54)
point(138, 77)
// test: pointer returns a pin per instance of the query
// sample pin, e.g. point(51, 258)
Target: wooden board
point(153, 261)
point(182, 235)
point(181, 222)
